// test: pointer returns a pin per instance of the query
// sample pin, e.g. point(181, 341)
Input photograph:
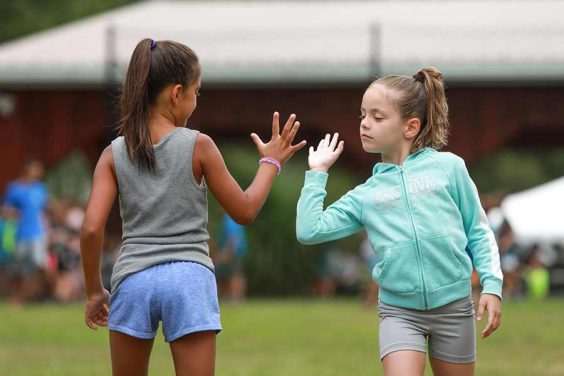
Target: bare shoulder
point(107, 156)
point(204, 141)
point(107, 160)
point(205, 146)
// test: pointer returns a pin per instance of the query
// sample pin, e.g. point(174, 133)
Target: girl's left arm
point(102, 197)
point(344, 217)
point(482, 245)
point(339, 220)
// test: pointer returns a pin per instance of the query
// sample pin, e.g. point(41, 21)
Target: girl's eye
point(378, 118)
point(198, 94)
point(361, 117)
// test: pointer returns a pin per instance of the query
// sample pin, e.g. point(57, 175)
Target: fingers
point(100, 318)
point(293, 132)
point(494, 316)
point(101, 321)
point(325, 142)
point(333, 143)
point(96, 321)
point(494, 321)
point(275, 124)
point(330, 143)
point(256, 139)
point(90, 324)
point(491, 327)
point(96, 314)
point(340, 147)
point(321, 144)
point(288, 126)
point(297, 147)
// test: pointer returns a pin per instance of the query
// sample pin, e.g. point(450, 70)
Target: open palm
point(328, 151)
point(280, 145)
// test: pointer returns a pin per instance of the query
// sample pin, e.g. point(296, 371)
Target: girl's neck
point(398, 156)
point(159, 126)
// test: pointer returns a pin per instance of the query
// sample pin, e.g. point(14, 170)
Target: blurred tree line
point(515, 169)
point(22, 17)
point(276, 263)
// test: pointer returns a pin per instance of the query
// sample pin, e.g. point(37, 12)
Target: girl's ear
point(176, 93)
point(412, 128)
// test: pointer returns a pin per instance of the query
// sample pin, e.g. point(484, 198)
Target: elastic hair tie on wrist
point(153, 44)
point(272, 161)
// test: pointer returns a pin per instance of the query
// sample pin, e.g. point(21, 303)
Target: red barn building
point(503, 64)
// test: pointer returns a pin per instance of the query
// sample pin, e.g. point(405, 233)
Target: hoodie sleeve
point(315, 225)
point(481, 240)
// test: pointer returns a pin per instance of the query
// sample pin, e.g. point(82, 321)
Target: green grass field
point(276, 337)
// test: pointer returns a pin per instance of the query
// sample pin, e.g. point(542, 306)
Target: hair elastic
point(419, 78)
point(153, 44)
point(272, 161)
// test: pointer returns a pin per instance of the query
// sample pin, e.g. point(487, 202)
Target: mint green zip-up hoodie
point(424, 221)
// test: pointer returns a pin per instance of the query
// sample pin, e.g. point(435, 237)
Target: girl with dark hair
point(161, 171)
point(424, 221)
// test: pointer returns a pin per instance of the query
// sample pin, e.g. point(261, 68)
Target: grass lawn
point(276, 337)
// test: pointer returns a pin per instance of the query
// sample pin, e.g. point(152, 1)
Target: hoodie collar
point(412, 158)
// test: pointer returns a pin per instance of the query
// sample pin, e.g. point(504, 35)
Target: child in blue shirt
point(422, 213)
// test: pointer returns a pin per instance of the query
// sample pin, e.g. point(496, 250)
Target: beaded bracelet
point(272, 161)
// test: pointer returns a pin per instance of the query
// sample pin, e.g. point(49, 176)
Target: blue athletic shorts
point(183, 295)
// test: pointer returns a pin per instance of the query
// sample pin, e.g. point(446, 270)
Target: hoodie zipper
point(419, 257)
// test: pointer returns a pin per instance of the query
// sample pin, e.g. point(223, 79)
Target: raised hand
point(326, 154)
point(96, 311)
point(280, 145)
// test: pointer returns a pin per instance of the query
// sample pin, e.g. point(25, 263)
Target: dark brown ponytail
point(152, 67)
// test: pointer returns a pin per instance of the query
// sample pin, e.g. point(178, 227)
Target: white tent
point(537, 214)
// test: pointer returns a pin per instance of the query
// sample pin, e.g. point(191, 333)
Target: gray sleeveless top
point(164, 215)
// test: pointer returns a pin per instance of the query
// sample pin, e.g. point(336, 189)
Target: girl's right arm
point(342, 218)
point(243, 206)
point(102, 197)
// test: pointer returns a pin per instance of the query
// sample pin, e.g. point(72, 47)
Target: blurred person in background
point(510, 261)
point(371, 259)
point(229, 260)
point(324, 284)
point(64, 246)
point(344, 268)
point(536, 274)
point(26, 201)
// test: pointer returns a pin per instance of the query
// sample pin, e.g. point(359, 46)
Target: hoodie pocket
point(398, 271)
point(440, 264)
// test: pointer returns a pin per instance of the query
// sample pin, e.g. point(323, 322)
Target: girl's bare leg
point(194, 354)
point(405, 362)
point(130, 355)
point(442, 368)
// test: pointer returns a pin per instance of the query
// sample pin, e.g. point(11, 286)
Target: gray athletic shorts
point(448, 331)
